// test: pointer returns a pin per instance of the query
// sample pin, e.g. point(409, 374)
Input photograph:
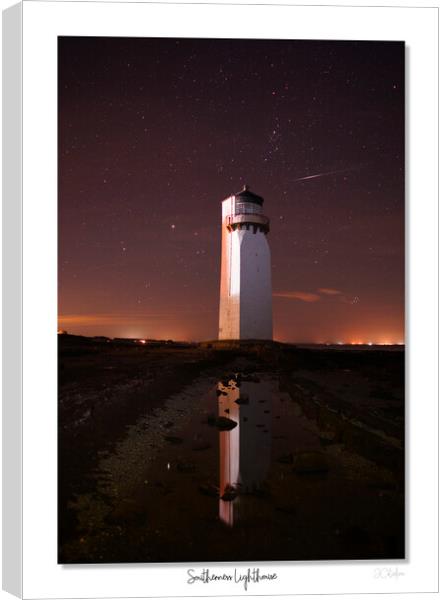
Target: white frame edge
point(12, 299)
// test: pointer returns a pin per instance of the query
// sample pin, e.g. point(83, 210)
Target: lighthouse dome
point(246, 195)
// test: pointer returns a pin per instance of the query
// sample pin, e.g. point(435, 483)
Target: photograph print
point(230, 300)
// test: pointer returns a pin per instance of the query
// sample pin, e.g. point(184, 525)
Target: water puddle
point(228, 469)
point(226, 442)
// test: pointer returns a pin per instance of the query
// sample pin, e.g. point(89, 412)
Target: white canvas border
point(11, 299)
point(43, 21)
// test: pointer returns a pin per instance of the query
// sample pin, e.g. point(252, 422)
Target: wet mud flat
point(257, 453)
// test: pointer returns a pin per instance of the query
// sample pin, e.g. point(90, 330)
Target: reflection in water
point(245, 450)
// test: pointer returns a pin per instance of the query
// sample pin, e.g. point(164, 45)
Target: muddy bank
point(103, 389)
point(199, 454)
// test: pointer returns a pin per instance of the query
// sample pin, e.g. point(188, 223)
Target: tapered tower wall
point(255, 286)
point(229, 308)
point(245, 310)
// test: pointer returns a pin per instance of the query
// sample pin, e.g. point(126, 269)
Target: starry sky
point(155, 133)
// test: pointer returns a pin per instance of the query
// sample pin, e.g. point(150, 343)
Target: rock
point(230, 493)
point(243, 399)
point(310, 463)
point(173, 439)
point(225, 424)
point(225, 381)
point(208, 489)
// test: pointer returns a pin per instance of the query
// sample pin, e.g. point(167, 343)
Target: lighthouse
point(245, 310)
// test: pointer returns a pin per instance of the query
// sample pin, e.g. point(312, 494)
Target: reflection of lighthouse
point(245, 286)
point(244, 450)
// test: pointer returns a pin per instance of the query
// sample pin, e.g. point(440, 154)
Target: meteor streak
point(321, 175)
point(326, 173)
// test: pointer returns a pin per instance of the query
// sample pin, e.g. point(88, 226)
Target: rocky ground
point(197, 453)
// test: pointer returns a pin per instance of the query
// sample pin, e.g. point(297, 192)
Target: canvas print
point(231, 300)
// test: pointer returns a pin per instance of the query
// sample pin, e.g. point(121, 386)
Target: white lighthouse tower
point(245, 310)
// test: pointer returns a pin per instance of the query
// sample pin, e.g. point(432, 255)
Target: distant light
point(142, 341)
point(369, 343)
point(173, 226)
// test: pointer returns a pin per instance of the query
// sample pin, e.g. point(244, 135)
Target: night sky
point(155, 133)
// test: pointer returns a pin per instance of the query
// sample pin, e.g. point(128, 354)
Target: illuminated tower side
point(245, 310)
